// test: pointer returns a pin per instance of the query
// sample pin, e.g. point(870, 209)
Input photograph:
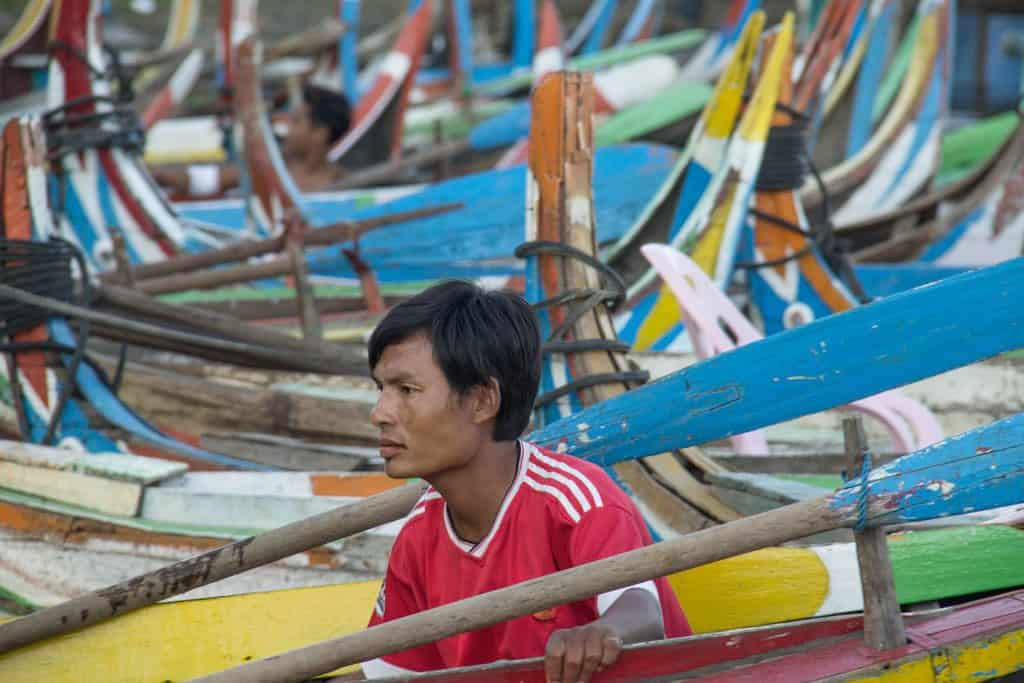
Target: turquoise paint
point(979, 470)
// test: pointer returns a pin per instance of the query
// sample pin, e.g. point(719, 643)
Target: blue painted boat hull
point(828, 362)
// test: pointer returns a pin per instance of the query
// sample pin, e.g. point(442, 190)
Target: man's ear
point(486, 401)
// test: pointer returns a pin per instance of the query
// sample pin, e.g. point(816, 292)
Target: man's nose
point(381, 414)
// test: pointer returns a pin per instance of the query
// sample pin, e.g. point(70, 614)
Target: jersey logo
point(378, 606)
point(545, 615)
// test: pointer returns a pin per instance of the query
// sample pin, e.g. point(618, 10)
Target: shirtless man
point(313, 128)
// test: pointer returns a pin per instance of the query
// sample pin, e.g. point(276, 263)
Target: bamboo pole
point(686, 552)
point(304, 298)
point(207, 568)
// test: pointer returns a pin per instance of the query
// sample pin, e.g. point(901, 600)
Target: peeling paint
point(946, 487)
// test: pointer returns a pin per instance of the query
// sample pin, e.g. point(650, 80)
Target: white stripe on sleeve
point(606, 600)
point(378, 668)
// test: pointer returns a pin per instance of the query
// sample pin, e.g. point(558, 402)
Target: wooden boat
point(294, 617)
point(711, 230)
point(909, 132)
point(593, 28)
point(972, 223)
point(921, 501)
point(96, 505)
point(929, 466)
point(385, 103)
point(638, 324)
point(665, 108)
point(26, 37)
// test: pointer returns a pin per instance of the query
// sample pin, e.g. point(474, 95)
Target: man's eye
point(407, 389)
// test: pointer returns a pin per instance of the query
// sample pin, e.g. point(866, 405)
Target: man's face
point(302, 135)
point(425, 427)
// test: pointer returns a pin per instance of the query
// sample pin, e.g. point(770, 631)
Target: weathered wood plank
point(198, 406)
point(290, 453)
point(796, 463)
point(85, 490)
point(122, 466)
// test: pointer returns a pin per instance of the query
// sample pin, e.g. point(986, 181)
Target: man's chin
point(396, 469)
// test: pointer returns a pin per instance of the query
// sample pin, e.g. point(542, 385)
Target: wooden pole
point(304, 296)
point(883, 622)
point(693, 550)
point(342, 231)
point(389, 171)
point(155, 331)
point(123, 271)
point(219, 277)
point(353, 360)
point(207, 568)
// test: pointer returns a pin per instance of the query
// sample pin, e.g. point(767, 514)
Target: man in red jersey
point(458, 370)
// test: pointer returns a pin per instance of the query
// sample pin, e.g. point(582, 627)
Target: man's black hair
point(328, 108)
point(475, 334)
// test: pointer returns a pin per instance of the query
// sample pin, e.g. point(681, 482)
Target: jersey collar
point(477, 550)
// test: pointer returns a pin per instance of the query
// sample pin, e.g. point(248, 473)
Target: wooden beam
point(199, 406)
point(348, 359)
point(342, 231)
point(797, 463)
point(883, 622)
point(390, 171)
point(308, 313)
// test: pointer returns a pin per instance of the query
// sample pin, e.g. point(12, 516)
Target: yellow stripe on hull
point(763, 587)
point(981, 660)
point(663, 316)
point(177, 641)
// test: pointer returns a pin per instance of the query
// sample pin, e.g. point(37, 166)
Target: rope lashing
point(862, 482)
point(784, 167)
point(611, 293)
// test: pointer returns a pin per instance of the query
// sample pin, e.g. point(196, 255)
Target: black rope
point(785, 166)
point(611, 294)
point(639, 376)
point(117, 124)
point(785, 163)
point(44, 269)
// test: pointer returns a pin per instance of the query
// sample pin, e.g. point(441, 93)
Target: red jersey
point(560, 512)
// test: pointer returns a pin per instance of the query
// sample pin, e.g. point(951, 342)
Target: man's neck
point(311, 171)
point(474, 493)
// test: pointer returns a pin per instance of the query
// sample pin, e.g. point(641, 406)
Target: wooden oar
point(979, 470)
point(215, 565)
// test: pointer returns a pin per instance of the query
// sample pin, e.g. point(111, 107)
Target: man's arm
point(574, 655)
point(197, 180)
